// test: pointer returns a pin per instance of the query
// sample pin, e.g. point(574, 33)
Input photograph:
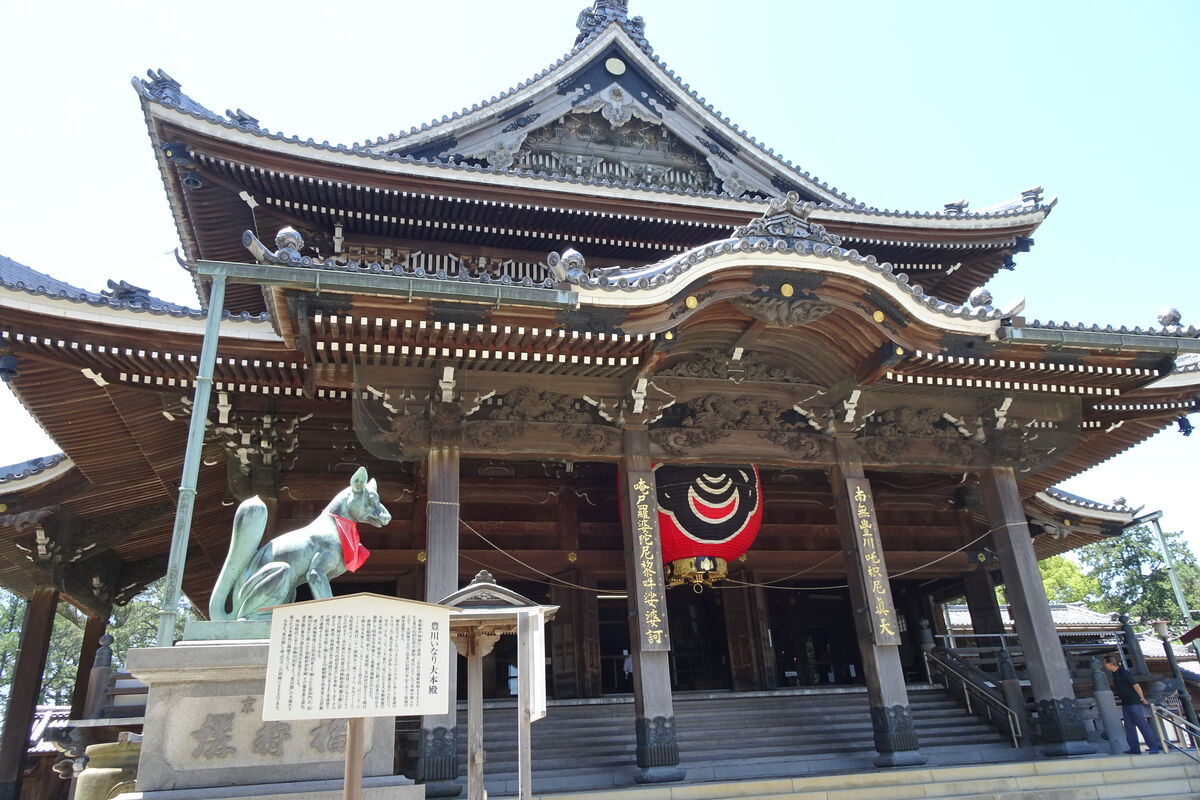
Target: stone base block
point(900, 758)
point(200, 630)
point(382, 788)
point(204, 730)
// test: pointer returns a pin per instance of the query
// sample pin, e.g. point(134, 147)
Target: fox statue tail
point(249, 524)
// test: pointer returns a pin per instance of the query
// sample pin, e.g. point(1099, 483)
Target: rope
point(504, 552)
point(767, 585)
point(926, 565)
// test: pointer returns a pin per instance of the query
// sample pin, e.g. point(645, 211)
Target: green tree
point(1066, 582)
point(134, 624)
point(1133, 578)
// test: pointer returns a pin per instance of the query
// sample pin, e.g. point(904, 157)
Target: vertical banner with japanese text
point(647, 593)
point(872, 571)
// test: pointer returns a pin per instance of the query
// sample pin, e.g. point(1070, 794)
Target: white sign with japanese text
point(531, 653)
point(362, 655)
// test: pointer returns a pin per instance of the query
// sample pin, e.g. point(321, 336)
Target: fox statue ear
point(358, 480)
point(373, 486)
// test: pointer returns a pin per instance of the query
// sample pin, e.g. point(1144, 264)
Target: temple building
point(549, 326)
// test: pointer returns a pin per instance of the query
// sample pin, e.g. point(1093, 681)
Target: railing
point(1184, 731)
point(973, 683)
point(1078, 645)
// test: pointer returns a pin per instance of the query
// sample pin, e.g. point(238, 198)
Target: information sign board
point(361, 655)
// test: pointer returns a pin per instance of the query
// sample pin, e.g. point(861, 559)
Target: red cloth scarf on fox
point(353, 552)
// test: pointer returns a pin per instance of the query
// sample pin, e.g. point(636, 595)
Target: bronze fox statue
point(256, 578)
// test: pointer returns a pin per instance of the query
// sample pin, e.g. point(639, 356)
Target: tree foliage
point(1066, 582)
point(1133, 578)
point(133, 625)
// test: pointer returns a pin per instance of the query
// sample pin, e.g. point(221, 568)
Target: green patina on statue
point(256, 578)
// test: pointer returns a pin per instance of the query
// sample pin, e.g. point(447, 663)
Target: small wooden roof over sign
point(484, 592)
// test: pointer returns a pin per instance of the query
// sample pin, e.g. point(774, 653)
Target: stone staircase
point(1088, 778)
point(584, 745)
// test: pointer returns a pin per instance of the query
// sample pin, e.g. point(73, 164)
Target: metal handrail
point(1183, 729)
point(970, 686)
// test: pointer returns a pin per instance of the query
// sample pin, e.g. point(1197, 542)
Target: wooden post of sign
point(475, 751)
point(353, 777)
point(526, 664)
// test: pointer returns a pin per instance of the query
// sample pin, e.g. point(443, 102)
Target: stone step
point(776, 730)
point(1088, 778)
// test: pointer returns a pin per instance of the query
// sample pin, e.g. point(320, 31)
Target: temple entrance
point(616, 665)
point(814, 638)
point(699, 653)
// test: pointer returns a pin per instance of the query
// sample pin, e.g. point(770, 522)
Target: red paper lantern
point(707, 516)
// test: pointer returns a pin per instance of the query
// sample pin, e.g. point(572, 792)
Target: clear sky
point(902, 105)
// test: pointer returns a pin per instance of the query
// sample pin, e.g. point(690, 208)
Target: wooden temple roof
point(737, 306)
point(837, 334)
point(457, 186)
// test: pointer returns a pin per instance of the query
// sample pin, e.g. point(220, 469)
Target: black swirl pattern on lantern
point(708, 504)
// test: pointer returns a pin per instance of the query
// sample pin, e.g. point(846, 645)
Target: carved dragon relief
point(524, 410)
point(714, 417)
point(898, 435)
point(782, 312)
point(716, 364)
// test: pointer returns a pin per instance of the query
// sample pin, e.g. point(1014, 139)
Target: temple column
point(25, 688)
point(986, 617)
point(649, 638)
point(1059, 721)
point(93, 629)
point(874, 613)
point(437, 762)
point(742, 635)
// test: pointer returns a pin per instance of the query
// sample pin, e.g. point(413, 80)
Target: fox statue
point(256, 578)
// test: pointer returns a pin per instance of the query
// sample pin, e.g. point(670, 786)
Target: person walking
point(1133, 708)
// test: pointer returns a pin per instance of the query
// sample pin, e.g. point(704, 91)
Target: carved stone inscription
point(219, 733)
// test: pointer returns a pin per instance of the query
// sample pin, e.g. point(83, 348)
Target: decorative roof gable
point(610, 111)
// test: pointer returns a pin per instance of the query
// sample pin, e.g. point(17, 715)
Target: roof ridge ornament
point(787, 218)
point(288, 243)
point(602, 13)
point(122, 290)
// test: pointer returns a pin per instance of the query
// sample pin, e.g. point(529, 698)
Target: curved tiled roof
point(16, 276)
point(1166, 330)
point(1084, 503)
point(783, 229)
point(1188, 362)
point(164, 90)
point(30, 467)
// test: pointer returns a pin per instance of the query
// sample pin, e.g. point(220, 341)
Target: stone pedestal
point(204, 736)
point(110, 767)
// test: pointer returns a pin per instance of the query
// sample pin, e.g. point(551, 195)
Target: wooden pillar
point(25, 688)
point(762, 618)
point(92, 632)
point(742, 635)
point(649, 639)
point(1060, 724)
point(986, 617)
point(437, 762)
point(874, 613)
point(565, 644)
point(588, 633)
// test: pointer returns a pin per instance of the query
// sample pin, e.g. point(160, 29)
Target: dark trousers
point(1135, 720)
